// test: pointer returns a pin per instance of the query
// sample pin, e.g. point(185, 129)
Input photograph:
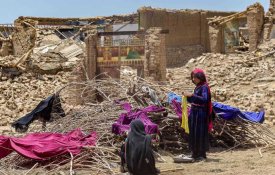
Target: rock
point(61, 173)
point(4, 78)
point(48, 68)
point(192, 60)
point(213, 83)
point(266, 79)
point(245, 83)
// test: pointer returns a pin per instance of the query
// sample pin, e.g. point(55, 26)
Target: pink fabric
point(41, 146)
point(198, 70)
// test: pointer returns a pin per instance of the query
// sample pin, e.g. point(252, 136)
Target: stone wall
point(155, 54)
point(255, 21)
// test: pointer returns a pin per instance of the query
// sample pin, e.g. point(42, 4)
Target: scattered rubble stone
point(48, 68)
point(242, 80)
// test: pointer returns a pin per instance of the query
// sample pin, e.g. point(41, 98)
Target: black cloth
point(139, 154)
point(43, 110)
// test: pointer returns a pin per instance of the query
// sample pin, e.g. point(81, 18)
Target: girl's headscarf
point(199, 73)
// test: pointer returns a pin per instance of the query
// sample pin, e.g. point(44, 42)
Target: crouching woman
point(138, 154)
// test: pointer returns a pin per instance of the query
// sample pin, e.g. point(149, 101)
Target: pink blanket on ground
point(41, 146)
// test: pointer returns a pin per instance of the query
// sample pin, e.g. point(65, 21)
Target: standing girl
point(199, 120)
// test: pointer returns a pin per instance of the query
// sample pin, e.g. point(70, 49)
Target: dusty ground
point(224, 162)
point(233, 162)
point(221, 162)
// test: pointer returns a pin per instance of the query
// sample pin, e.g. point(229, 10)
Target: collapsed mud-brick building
point(193, 32)
point(150, 40)
point(189, 33)
point(238, 32)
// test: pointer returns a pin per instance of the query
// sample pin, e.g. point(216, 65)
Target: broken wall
point(5, 48)
point(231, 34)
point(155, 54)
point(255, 21)
point(84, 21)
point(188, 31)
point(23, 37)
point(272, 6)
point(269, 28)
point(215, 37)
point(91, 59)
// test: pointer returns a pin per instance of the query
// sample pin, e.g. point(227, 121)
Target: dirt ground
point(226, 162)
point(223, 162)
point(248, 162)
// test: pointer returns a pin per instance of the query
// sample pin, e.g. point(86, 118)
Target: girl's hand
point(187, 94)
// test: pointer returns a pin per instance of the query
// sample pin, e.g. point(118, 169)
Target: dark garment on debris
point(139, 154)
point(42, 111)
point(198, 122)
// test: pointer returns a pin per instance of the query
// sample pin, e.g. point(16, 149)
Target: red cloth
point(41, 146)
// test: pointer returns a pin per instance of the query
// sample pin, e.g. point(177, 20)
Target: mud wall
point(188, 31)
point(255, 21)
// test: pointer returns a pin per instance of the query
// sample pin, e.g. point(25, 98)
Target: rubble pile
point(48, 68)
point(53, 58)
point(245, 80)
point(7, 61)
point(24, 36)
point(22, 94)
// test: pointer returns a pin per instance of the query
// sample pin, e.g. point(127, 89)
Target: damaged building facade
point(194, 32)
point(240, 31)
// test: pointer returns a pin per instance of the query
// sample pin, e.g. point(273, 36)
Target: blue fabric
point(224, 111)
point(173, 96)
point(227, 112)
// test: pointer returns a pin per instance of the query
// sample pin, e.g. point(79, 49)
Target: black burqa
point(139, 154)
